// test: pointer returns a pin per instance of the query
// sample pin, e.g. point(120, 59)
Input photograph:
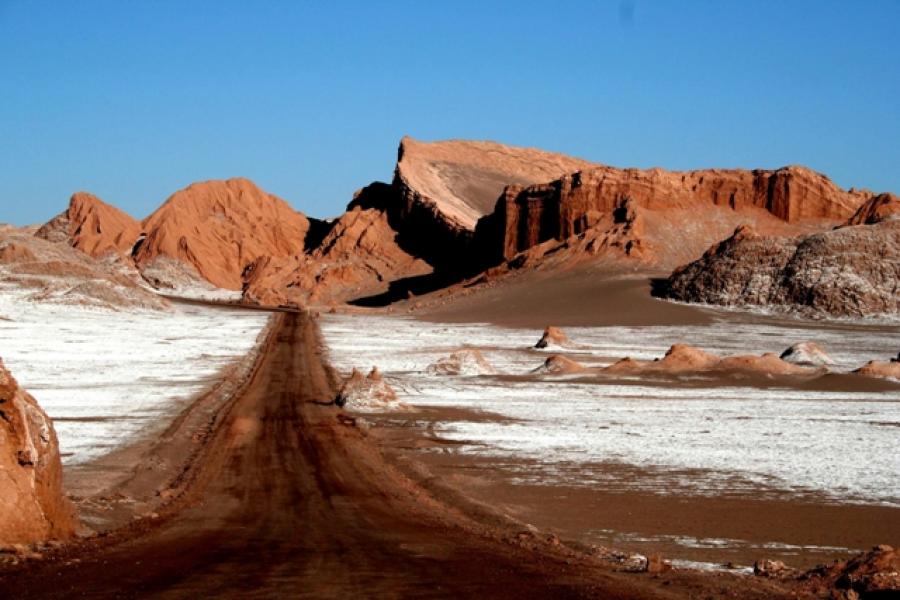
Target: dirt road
point(293, 500)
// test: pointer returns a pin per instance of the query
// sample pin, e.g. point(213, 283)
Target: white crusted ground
point(699, 436)
point(106, 376)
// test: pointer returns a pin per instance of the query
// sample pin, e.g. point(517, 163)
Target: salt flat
point(107, 376)
point(693, 436)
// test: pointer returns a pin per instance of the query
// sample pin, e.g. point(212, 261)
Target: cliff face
point(92, 226)
point(220, 227)
point(33, 506)
point(358, 257)
point(441, 189)
point(853, 270)
point(527, 216)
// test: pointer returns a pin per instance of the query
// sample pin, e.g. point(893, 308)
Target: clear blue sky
point(134, 100)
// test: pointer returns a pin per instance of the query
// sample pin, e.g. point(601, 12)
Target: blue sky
point(133, 101)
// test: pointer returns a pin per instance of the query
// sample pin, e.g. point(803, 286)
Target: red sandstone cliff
point(699, 205)
point(33, 506)
point(92, 226)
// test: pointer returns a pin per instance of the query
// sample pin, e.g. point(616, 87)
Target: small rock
point(552, 337)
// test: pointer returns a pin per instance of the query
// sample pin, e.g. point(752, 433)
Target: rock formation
point(466, 362)
point(853, 270)
point(698, 207)
point(883, 207)
point(682, 358)
point(441, 189)
point(367, 392)
point(221, 227)
point(552, 337)
point(807, 354)
point(559, 365)
point(92, 226)
point(33, 506)
point(43, 271)
point(358, 257)
point(879, 368)
point(874, 574)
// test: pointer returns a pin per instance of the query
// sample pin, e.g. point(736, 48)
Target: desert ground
point(507, 373)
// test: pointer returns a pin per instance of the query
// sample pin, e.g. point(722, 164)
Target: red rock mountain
point(33, 506)
point(92, 226)
point(441, 189)
point(460, 181)
point(682, 212)
point(221, 227)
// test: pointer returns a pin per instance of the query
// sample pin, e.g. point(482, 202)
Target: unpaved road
point(293, 500)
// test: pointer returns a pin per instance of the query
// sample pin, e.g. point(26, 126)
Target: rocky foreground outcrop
point(92, 226)
point(853, 270)
point(33, 506)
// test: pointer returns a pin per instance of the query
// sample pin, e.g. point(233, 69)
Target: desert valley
point(550, 377)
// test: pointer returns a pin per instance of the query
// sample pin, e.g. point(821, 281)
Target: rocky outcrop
point(870, 575)
point(883, 207)
point(221, 227)
point(683, 359)
point(466, 362)
point(367, 393)
point(92, 226)
point(807, 354)
point(881, 369)
point(560, 365)
point(358, 257)
point(552, 337)
point(41, 271)
point(701, 202)
point(33, 506)
point(849, 271)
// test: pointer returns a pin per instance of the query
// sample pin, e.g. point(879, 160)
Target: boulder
point(468, 361)
point(552, 337)
point(33, 505)
point(367, 392)
point(807, 354)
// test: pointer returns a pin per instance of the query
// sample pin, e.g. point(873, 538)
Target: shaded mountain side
point(441, 189)
point(358, 257)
